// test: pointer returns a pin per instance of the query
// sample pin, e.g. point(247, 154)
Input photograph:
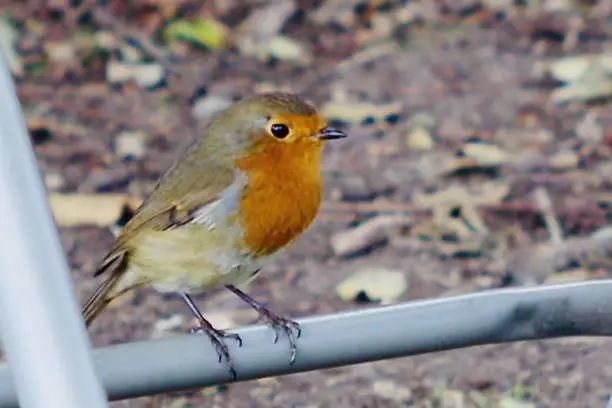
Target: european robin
point(245, 189)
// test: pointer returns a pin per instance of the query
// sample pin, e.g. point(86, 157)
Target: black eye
point(279, 130)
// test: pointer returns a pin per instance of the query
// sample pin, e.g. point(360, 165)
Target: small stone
point(385, 285)
point(518, 140)
point(486, 154)
point(60, 51)
point(391, 390)
point(480, 399)
point(54, 181)
point(565, 160)
point(571, 68)
point(419, 139)
point(576, 275)
point(288, 49)
point(105, 39)
point(355, 188)
point(219, 319)
point(180, 402)
point(143, 74)
point(164, 327)
point(206, 107)
point(131, 143)
point(509, 402)
point(452, 399)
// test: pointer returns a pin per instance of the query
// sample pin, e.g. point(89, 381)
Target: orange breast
point(282, 195)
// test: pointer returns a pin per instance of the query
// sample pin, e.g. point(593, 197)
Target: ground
point(468, 120)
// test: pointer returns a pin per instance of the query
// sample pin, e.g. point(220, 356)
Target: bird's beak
point(329, 133)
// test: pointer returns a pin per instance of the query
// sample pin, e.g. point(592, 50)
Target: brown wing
point(186, 187)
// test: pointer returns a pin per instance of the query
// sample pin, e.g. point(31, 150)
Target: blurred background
point(478, 157)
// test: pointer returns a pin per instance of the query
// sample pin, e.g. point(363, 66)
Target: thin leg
point(280, 324)
point(217, 337)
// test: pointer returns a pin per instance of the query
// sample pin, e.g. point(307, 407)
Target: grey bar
point(43, 336)
point(187, 361)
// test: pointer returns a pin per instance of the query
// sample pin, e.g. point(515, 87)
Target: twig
point(544, 203)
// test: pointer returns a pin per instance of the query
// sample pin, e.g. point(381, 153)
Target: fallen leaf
point(378, 284)
point(205, 32)
point(8, 36)
point(71, 210)
point(483, 194)
point(419, 139)
point(485, 154)
point(143, 74)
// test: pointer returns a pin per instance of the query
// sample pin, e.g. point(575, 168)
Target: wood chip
point(368, 234)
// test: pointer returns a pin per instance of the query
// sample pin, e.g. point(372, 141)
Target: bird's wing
point(172, 203)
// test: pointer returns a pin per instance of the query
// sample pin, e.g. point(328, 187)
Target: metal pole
point(43, 336)
point(188, 361)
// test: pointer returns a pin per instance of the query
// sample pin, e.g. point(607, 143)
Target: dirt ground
point(479, 121)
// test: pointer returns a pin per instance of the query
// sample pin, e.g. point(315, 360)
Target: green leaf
point(204, 32)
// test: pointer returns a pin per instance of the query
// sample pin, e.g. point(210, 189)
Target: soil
point(464, 72)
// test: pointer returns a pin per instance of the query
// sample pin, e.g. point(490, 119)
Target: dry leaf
point(71, 210)
point(484, 194)
point(144, 74)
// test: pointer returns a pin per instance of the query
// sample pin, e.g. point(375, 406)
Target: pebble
point(565, 159)
point(288, 49)
point(63, 52)
point(206, 107)
point(165, 327)
point(509, 402)
point(180, 402)
point(391, 390)
point(355, 188)
point(383, 284)
point(54, 181)
point(419, 139)
point(486, 154)
point(143, 74)
point(452, 399)
point(219, 319)
point(130, 143)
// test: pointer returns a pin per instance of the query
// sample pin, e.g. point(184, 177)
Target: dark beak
point(329, 133)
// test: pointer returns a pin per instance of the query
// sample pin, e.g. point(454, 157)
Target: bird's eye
point(279, 130)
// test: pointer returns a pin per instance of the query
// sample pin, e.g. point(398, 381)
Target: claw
point(279, 324)
point(285, 326)
point(217, 337)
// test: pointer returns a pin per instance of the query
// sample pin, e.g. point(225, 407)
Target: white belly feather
point(197, 256)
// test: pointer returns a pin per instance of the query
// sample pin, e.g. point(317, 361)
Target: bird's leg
point(280, 324)
point(217, 337)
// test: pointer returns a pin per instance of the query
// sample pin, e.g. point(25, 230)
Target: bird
point(239, 194)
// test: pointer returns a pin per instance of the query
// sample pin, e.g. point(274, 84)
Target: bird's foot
point(217, 338)
point(279, 324)
point(282, 325)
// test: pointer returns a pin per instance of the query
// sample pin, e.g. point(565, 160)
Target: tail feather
point(101, 297)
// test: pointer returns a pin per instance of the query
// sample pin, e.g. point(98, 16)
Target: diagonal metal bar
point(496, 316)
point(42, 334)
